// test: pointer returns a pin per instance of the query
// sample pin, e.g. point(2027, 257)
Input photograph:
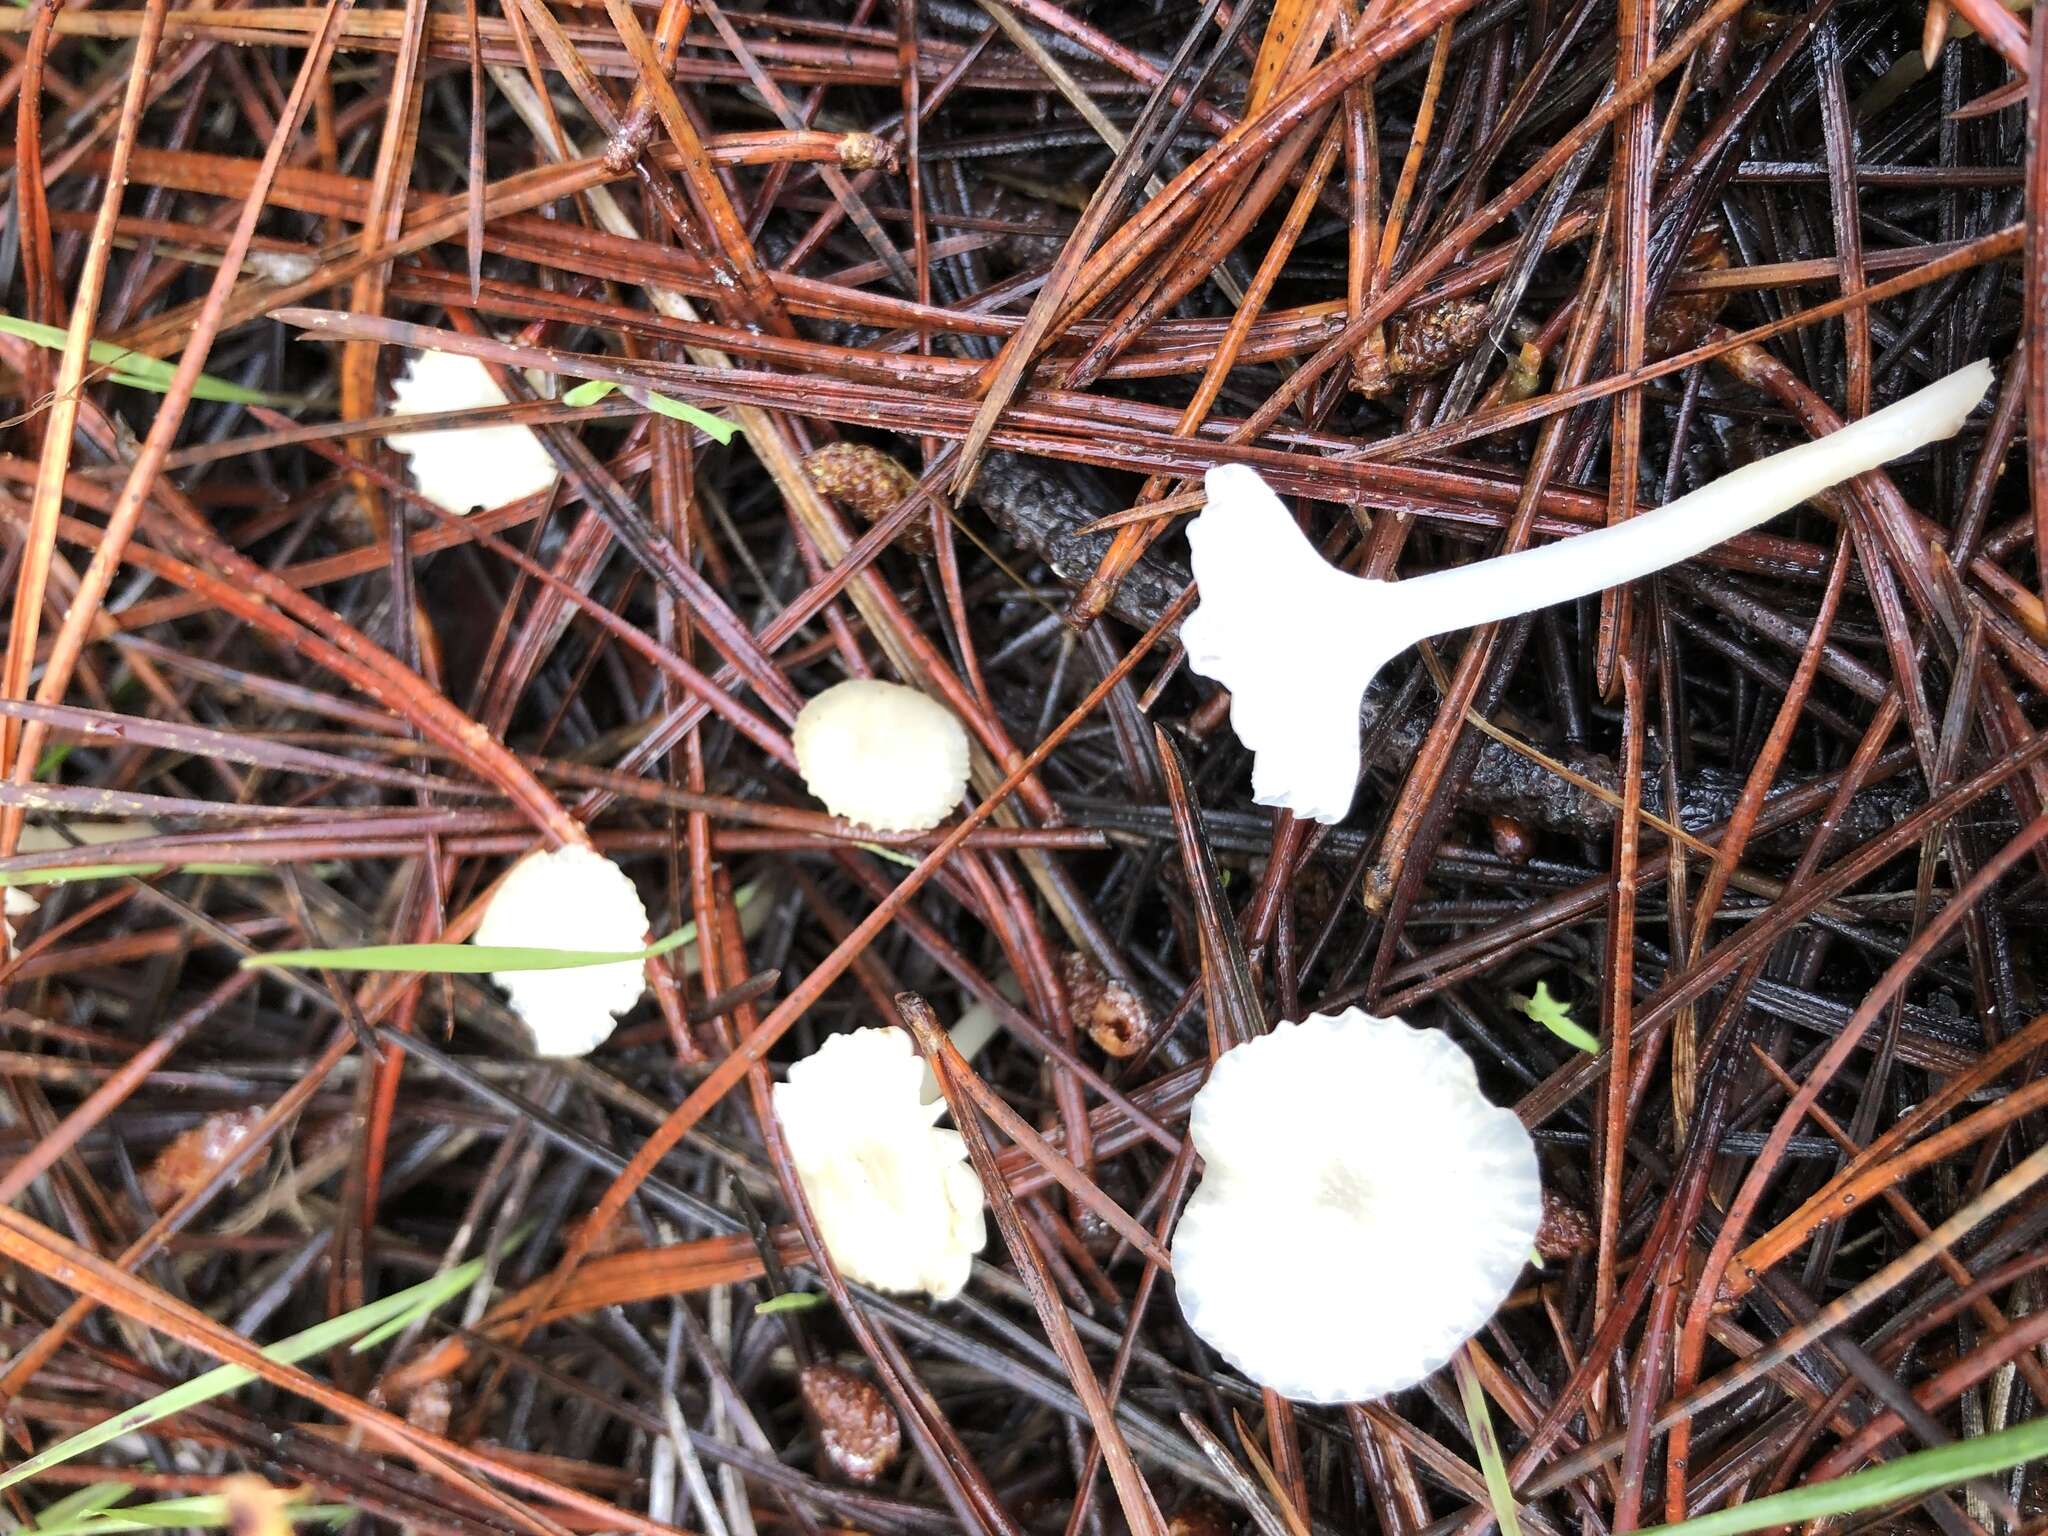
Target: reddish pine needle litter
point(566, 559)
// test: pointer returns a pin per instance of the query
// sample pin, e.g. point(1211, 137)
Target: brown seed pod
point(189, 1158)
point(866, 152)
point(854, 1421)
point(1511, 838)
point(1565, 1231)
point(1115, 1018)
point(1425, 342)
point(869, 482)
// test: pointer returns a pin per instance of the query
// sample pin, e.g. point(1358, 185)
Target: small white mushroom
point(1363, 1209)
point(458, 468)
point(970, 1033)
point(895, 1200)
point(18, 904)
point(1296, 641)
point(569, 898)
point(882, 755)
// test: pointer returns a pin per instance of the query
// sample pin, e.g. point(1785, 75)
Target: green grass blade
point(717, 428)
point(116, 871)
point(364, 1322)
point(1894, 1482)
point(590, 391)
point(182, 1514)
point(475, 959)
point(87, 1501)
point(788, 1301)
point(462, 959)
point(136, 369)
point(1500, 1491)
point(426, 1296)
point(1556, 1017)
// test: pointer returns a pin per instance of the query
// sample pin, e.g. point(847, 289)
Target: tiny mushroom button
point(568, 898)
point(882, 755)
point(458, 468)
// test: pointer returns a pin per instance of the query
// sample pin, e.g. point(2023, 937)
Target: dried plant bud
point(1115, 1018)
point(1511, 839)
point(185, 1164)
point(1201, 1516)
point(1565, 1232)
point(871, 483)
point(866, 152)
point(1425, 342)
point(855, 1422)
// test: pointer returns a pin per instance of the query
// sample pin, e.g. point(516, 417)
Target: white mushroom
point(896, 1202)
point(1296, 641)
point(882, 755)
point(569, 898)
point(1363, 1209)
point(18, 904)
point(458, 468)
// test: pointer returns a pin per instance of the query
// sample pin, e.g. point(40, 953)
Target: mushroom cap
point(882, 755)
point(1352, 1158)
point(461, 468)
point(569, 898)
point(895, 1200)
point(1293, 638)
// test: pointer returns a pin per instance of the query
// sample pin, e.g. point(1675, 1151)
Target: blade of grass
point(477, 959)
point(1556, 1016)
point(116, 871)
point(89, 1500)
point(590, 391)
point(1896, 1481)
point(461, 959)
point(366, 1325)
point(183, 1514)
point(1500, 1490)
point(140, 371)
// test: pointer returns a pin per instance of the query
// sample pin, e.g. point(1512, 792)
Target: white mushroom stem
point(1509, 585)
point(1297, 641)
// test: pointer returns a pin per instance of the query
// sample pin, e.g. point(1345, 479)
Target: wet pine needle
point(894, 340)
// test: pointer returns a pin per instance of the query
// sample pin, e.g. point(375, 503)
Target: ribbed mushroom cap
point(461, 468)
point(882, 755)
point(895, 1200)
point(569, 898)
point(1363, 1209)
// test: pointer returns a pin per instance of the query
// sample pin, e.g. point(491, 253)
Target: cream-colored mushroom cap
point(461, 468)
point(569, 898)
point(883, 755)
point(1363, 1209)
point(895, 1200)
